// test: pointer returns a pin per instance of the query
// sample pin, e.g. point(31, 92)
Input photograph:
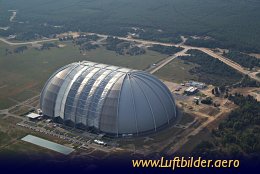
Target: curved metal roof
point(111, 99)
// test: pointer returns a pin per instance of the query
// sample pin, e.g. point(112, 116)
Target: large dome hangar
point(109, 99)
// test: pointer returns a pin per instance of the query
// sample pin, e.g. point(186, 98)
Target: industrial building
point(191, 90)
point(108, 99)
point(198, 85)
point(33, 116)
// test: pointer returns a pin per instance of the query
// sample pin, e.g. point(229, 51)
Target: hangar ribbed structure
point(111, 99)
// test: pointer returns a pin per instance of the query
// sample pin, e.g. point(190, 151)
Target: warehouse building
point(191, 90)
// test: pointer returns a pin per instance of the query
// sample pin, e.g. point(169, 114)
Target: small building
point(48, 121)
point(99, 142)
point(196, 99)
point(198, 85)
point(191, 90)
point(33, 116)
point(39, 111)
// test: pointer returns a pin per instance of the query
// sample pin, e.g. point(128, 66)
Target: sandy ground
point(61, 45)
point(255, 55)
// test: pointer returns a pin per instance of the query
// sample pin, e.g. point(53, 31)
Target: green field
point(177, 71)
point(8, 131)
point(23, 75)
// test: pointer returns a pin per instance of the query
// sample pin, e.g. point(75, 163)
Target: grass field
point(140, 62)
point(177, 71)
point(23, 75)
point(8, 131)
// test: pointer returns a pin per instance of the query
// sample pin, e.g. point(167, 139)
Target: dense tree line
point(207, 43)
point(207, 101)
point(237, 135)
point(247, 82)
point(81, 39)
point(160, 36)
point(88, 46)
point(20, 49)
point(113, 42)
point(214, 43)
point(211, 70)
point(243, 59)
point(135, 50)
point(123, 47)
point(48, 45)
point(165, 49)
point(85, 42)
point(92, 37)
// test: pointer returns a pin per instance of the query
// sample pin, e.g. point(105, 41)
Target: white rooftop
point(191, 89)
point(33, 115)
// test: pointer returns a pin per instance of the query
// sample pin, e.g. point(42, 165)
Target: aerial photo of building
point(109, 99)
point(191, 90)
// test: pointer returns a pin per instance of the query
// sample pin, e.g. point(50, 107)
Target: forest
point(243, 59)
point(123, 47)
point(160, 36)
point(166, 21)
point(170, 50)
point(247, 82)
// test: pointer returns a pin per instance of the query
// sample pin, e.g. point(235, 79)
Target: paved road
point(26, 43)
point(13, 16)
point(168, 60)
